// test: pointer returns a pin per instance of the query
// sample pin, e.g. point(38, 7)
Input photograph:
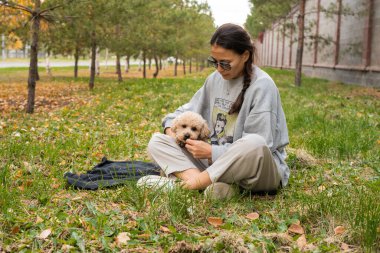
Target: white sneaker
point(156, 182)
point(220, 190)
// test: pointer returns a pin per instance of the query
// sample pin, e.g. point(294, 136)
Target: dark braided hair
point(235, 38)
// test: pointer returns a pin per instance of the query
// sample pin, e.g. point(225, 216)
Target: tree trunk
point(301, 28)
point(150, 63)
point(118, 68)
point(190, 63)
point(184, 67)
point(47, 60)
point(97, 62)
point(93, 62)
point(160, 64)
point(106, 67)
point(175, 66)
point(155, 74)
point(144, 65)
point(33, 58)
point(3, 54)
point(126, 64)
point(76, 59)
point(37, 73)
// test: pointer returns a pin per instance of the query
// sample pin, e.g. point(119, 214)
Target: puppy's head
point(190, 125)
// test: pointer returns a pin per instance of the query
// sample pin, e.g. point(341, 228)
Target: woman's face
point(228, 56)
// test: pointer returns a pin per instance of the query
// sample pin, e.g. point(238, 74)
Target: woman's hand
point(199, 149)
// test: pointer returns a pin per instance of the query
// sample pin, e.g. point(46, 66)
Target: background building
point(342, 41)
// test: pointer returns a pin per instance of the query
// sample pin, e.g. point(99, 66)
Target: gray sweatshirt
point(261, 113)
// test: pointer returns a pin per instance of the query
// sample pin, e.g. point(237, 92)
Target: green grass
point(338, 125)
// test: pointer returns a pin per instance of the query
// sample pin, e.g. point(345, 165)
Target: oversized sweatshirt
point(261, 113)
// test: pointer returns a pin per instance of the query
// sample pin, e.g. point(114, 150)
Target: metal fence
point(342, 41)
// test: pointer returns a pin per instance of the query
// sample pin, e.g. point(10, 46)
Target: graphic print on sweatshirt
point(223, 123)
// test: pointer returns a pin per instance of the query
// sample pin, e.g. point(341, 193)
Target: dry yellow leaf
point(122, 238)
point(339, 230)
point(344, 246)
point(39, 219)
point(44, 234)
point(301, 242)
point(252, 216)
point(144, 236)
point(215, 221)
point(296, 229)
point(165, 229)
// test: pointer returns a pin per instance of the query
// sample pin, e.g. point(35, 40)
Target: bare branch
point(51, 8)
point(16, 6)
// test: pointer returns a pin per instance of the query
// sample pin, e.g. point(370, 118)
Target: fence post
point(368, 29)
point(317, 33)
point(337, 42)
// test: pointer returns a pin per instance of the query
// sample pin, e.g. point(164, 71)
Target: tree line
point(149, 29)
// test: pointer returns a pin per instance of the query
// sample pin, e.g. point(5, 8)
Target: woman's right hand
point(168, 131)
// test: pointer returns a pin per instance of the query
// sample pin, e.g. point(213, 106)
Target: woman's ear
point(245, 55)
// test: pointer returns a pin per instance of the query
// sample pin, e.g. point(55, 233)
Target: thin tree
point(36, 15)
point(300, 44)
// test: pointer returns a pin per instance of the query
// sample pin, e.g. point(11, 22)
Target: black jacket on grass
point(111, 173)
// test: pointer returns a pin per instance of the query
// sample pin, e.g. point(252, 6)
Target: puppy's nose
point(186, 136)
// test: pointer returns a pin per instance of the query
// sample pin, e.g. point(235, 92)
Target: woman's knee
point(156, 142)
point(252, 142)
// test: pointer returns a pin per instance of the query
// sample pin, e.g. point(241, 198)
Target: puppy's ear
point(205, 131)
point(175, 124)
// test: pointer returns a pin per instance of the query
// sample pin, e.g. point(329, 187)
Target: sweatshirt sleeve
point(262, 118)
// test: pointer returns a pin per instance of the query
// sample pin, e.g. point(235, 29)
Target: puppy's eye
point(194, 129)
point(184, 126)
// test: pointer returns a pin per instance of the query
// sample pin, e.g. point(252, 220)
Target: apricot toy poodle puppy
point(190, 125)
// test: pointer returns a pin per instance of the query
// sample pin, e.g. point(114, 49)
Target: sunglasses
point(223, 64)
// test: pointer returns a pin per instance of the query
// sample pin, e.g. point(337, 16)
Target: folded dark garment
point(111, 173)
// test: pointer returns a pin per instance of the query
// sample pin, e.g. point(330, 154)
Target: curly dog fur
point(190, 125)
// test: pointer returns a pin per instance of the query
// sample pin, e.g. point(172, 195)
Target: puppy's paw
point(180, 142)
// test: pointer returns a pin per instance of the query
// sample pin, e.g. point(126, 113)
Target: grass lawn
point(332, 202)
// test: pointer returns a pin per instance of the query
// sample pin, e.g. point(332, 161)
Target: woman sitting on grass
point(249, 102)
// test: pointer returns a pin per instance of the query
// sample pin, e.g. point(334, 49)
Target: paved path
point(6, 64)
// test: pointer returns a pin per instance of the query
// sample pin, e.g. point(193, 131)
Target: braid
point(248, 69)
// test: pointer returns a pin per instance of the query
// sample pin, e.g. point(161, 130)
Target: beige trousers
point(248, 162)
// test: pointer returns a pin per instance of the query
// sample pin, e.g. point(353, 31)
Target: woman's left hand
point(199, 149)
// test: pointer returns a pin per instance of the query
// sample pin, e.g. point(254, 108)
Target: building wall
point(346, 50)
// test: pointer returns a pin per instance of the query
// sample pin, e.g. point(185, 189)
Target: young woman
point(248, 101)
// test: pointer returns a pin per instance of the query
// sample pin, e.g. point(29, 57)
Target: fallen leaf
point(44, 234)
point(296, 229)
point(144, 236)
point(283, 238)
point(165, 229)
point(15, 230)
point(215, 221)
point(67, 248)
point(344, 246)
point(252, 216)
point(339, 230)
point(301, 242)
point(39, 219)
point(321, 188)
point(122, 238)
